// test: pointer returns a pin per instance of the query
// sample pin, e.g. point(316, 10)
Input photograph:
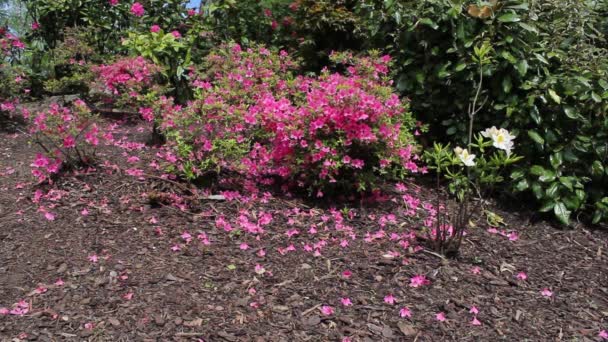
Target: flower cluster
point(126, 81)
point(253, 117)
point(501, 139)
point(9, 42)
point(67, 136)
point(137, 9)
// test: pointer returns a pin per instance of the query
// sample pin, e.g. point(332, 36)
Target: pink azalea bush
point(126, 77)
point(252, 116)
point(67, 137)
point(10, 82)
point(130, 83)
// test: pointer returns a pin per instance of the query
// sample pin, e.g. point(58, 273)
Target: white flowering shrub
point(470, 172)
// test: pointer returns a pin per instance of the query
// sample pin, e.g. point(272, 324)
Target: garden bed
point(134, 267)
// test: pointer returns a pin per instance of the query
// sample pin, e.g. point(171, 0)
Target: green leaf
point(597, 216)
point(556, 159)
point(581, 195)
point(536, 137)
point(554, 96)
point(515, 175)
point(460, 67)
point(541, 58)
point(537, 170)
point(561, 212)
point(522, 67)
point(508, 56)
point(429, 22)
point(534, 113)
point(509, 18)
point(547, 176)
point(528, 27)
point(506, 84)
point(548, 205)
point(597, 169)
point(596, 97)
point(537, 190)
point(567, 182)
point(522, 185)
point(552, 191)
point(572, 202)
point(571, 112)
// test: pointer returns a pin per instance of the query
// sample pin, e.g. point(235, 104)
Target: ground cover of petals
point(118, 254)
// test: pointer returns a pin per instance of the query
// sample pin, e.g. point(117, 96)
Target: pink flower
point(186, 236)
point(327, 310)
point(191, 12)
point(146, 113)
point(113, 2)
point(440, 317)
point(59, 282)
point(474, 310)
point(35, 26)
point(69, 142)
point(603, 334)
point(405, 312)
point(346, 302)
point(546, 292)
point(4, 311)
point(475, 270)
point(176, 34)
point(137, 9)
point(389, 299)
point(89, 326)
point(93, 258)
point(41, 290)
point(154, 28)
point(259, 269)
point(49, 216)
point(522, 276)
point(244, 246)
point(419, 280)
point(176, 248)
point(128, 296)
point(346, 274)
point(475, 321)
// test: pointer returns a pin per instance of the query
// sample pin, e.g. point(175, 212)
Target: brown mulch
point(139, 289)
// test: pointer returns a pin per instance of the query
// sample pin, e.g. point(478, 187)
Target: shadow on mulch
point(12, 124)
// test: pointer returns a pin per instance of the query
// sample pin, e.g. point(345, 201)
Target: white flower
point(501, 138)
point(464, 156)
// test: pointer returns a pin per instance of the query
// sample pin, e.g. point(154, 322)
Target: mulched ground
point(138, 265)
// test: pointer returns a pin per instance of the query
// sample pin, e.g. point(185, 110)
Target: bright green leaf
point(561, 212)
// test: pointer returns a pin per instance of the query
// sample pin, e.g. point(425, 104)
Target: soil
point(141, 289)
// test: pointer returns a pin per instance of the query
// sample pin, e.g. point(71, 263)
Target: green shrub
point(547, 85)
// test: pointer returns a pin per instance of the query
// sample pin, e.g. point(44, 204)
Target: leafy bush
point(253, 117)
point(68, 137)
point(71, 64)
point(546, 84)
